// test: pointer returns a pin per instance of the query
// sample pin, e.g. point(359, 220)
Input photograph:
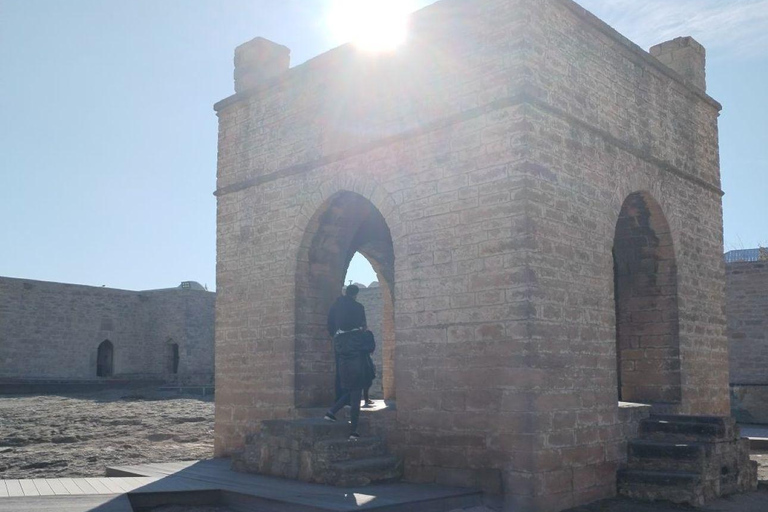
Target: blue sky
point(108, 137)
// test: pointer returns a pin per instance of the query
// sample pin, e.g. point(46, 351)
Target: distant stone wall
point(370, 298)
point(52, 331)
point(747, 312)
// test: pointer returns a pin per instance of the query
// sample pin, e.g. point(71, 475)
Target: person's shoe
point(329, 417)
point(354, 436)
point(369, 403)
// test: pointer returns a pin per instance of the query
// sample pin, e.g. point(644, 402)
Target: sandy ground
point(78, 435)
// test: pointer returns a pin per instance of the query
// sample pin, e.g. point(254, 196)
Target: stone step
point(360, 472)
point(661, 456)
point(676, 486)
point(306, 431)
point(337, 450)
point(688, 429)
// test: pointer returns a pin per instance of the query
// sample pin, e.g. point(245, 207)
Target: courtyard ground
point(80, 434)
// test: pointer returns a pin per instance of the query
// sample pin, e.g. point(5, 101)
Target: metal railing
point(760, 254)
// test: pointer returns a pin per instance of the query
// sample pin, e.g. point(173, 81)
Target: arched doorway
point(376, 297)
point(645, 292)
point(345, 224)
point(104, 359)
point(172, 357)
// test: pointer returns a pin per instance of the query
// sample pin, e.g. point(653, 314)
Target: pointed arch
point(646, 303)
point(345, 223)
point(105, 359)
point(172, 357)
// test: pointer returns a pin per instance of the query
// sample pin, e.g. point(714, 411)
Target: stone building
point(747, 313)
point(541, 201)
point(66, 332)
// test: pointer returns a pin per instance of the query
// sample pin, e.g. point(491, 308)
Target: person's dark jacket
point(346, 314)
point(353, 351)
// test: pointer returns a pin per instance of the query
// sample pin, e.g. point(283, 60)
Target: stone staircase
point(319, 451)
point(687, 460)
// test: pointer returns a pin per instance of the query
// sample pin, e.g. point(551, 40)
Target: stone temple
point(541, 201)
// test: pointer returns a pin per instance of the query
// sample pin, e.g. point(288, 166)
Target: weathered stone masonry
point(483, 168)
point(747, 313)
point(52, 331)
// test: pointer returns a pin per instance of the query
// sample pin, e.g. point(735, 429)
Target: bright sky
point(108, 138)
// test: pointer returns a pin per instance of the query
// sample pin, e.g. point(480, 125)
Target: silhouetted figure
point(352, 344)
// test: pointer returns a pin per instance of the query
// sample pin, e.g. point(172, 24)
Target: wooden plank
point(110, 484)
point(43, 487)
point(97, 484)
point(122, 484)
point(70, 486)
point(84, 486)
point(28, 488)
point(14, 488)
point(67, 504)
point(3, 489)
point(57, 486)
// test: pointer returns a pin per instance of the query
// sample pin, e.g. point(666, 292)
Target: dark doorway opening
point(645, 291)
point(173, 357)
point(104, 359)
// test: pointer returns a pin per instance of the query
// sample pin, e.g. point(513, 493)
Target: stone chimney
point(686, 56)
point(259, 60)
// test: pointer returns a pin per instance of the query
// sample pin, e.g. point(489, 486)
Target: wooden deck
point(249, 492)
point(71, 486)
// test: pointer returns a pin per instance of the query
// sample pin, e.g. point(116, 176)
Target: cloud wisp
point(736, 27)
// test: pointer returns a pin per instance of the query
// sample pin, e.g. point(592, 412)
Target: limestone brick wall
point(499, 146)
point(747, 313)
point(433, 159)
point(51, 331)
point(614, 121)
point(609, 122)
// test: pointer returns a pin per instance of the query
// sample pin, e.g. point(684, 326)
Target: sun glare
point(372, 25)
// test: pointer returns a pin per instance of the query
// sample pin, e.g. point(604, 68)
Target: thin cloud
point(738, 27)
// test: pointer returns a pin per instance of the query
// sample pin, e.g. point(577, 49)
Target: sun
point(372, 25)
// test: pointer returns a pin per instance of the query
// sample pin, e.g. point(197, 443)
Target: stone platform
point(688, 460)
point(319, 451)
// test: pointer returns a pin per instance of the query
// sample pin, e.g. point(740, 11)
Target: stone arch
point(172, 357)
point(105, 354)
point(345, 223)
point(646, 303)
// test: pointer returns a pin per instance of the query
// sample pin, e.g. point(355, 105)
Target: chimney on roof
point(259, 60)
point(685, 56)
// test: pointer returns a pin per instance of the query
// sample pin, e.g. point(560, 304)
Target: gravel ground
point(78, 435)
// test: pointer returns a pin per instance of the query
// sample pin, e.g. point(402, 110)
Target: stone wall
point(371, 298)
point(747, 313)
point(51, 331)
point(483, 167)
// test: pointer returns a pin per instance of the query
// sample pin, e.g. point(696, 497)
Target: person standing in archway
point(347, 326)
